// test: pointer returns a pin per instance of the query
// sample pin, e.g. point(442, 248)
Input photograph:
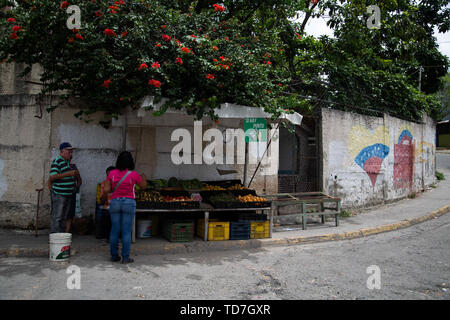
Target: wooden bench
point(308, 199)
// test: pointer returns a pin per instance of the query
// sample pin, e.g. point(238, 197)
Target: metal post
point(420, 77)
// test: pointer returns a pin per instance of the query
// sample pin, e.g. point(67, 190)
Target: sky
point(317, 27)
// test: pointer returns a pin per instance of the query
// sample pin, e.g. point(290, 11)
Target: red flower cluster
point(210, 76)
point(218, 7)
point(110, 32)
point(185, 50)
point(121, 2)
point(124, 33)
point(114, 9)
point(98, 13)
point(179, 61)
point(13, 35)
point(64, 5)
point(215, 48)
point(156, 65)
point(79, 36)
point(155, 83)
point(166, 37)
point(143, 66)
point(71, 40)
point(11, 20)
point(106, 83)
point(158, 45)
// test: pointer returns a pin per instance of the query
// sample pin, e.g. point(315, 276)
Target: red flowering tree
point(126, 50)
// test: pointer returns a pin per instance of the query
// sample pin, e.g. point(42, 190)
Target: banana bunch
point(251, 198)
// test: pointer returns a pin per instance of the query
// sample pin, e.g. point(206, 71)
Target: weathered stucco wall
point(370, 160)
point(29, 144)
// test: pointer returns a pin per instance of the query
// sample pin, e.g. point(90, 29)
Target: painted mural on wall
point(369, 149)
point(404, 159)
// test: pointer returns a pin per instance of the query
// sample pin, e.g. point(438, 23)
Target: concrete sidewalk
point(428, 205)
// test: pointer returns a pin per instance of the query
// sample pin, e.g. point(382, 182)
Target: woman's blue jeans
point(121, 211)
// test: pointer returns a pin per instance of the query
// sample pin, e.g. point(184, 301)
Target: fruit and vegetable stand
point(178, 203)
point(312, 203)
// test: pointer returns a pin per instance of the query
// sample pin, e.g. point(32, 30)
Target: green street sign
point(255, 129)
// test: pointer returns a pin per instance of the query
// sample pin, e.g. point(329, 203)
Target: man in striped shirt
point(64, 181)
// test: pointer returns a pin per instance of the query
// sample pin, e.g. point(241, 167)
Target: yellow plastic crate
point(217, 230)
point(259, 230)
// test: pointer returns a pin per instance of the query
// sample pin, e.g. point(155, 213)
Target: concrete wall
point(370, 160)
point(28, 145)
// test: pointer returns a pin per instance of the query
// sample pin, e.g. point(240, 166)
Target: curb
point(359, 233)
point(202, 246)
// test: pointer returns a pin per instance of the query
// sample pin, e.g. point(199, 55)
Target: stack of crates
point(217, 230)
point(258, 224)
point(178, 231)
point(240, 230)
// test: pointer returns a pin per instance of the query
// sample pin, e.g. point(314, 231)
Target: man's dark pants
point(61, 206)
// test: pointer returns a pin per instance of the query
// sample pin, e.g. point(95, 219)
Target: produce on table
point(149, 196)
point(160, 183)
point(222, 197)
point(208, 187)
point(251, 198)
point(173, 182)
point(237, 187)
point(193, 184)
point(177, 199)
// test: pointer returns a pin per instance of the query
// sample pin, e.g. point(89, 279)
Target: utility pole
point(420, 77)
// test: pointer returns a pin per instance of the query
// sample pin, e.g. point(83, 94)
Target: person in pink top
point(122, 209)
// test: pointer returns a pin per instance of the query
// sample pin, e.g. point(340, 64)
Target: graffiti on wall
point(369, 149)
point(404, 159)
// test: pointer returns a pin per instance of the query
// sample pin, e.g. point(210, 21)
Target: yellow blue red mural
point(369, 149)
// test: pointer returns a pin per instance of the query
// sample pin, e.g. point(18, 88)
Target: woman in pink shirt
point(123, 206)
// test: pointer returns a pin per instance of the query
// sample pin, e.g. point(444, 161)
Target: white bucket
point(144, 228)
point(60, 246)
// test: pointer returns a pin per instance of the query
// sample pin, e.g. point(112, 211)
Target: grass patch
point(345, 214)
point(412, 195)
point(440, 176)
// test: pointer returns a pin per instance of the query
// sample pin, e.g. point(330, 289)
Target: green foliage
point(440, 176)
point(196, 59)
point(253, 53)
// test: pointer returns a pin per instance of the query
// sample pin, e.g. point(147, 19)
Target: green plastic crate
point(178, 231)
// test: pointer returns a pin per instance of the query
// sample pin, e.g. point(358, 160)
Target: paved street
point(414, 264)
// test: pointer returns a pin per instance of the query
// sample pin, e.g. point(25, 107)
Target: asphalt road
point(414, 263)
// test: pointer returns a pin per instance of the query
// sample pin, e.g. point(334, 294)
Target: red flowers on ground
point(110, 32)
point(218, 7)
point(156, 65)
point(143, 66)
point(106, 83)
point(11, 20)
point(166, 37)
point(155, 83)
point(179, 61)
point(210, 76)
point(64, 5)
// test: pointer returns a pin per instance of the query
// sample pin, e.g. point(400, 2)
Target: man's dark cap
point(65, 145)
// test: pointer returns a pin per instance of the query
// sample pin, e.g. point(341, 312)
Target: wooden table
point(206, 209)
point(304, 199)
